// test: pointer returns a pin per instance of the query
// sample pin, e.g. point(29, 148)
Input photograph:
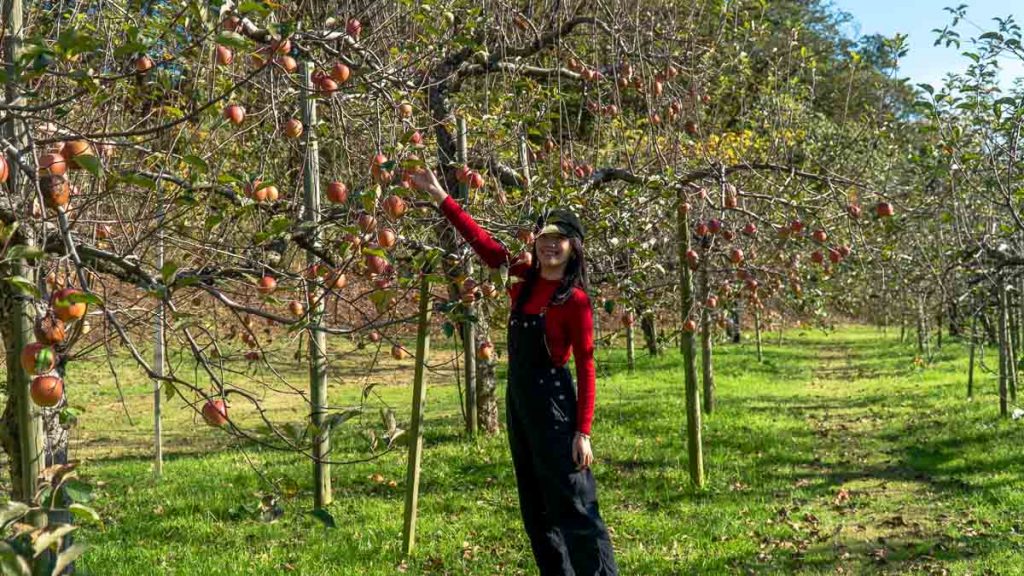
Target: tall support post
point(419, 398)
point(317, 337)
point(707, 357)
point(695, 451)
point(158, 348)
point(970, 364)
point(468, 327)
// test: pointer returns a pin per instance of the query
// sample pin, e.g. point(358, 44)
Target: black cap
point(564, 220)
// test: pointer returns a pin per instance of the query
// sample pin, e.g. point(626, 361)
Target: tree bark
point(649, 327)
point(970, 362)
point(21, 432)
point(488, 420)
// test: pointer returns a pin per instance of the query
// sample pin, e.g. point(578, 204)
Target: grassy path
point(838, 454)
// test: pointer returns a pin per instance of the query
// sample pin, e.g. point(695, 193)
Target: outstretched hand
point(425, 180)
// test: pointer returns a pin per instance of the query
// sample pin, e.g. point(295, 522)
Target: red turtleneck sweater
point(569, 326)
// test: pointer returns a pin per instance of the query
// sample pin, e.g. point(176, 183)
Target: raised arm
point(492, 252)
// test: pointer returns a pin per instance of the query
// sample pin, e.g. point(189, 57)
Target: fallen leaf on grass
point(842, 497)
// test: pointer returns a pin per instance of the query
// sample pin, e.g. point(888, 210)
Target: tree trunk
point(921, 327)
point(21, 430)
point(970, 362)
point(757, 335)
point(488, 420)
point(649, 327)
point(736, 331)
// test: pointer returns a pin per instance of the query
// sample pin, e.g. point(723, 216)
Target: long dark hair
point(575, 276)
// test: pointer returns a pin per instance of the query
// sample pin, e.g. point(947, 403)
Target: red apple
point(340, 72)
point(143, 64)
point(476, 181)
point(224, 56)
point(266, 285)
point(884, 210)
point(750, 229)
point(819, 236)
point(367, 223)
point(234, 113)
point(353, 28)
point(395, 207)
point(375, 264)
point(67, 311)
point(485, 351)
point(37, 358)
point(215, 412)
point(386, 237)
point(293, 128)
point(337, 192)
point(377, 171)
point(47, 391)
point(736, 256)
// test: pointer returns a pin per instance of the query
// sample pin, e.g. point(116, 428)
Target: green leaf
point(259, 8)
point(83, 512)
point(196, 162)
point(339, 418)
point(51, 535)
point(12, 511)
point(66, 557)
point(44, 359)
point(27, 252)
point(90, 163)
point(231, 39)
point(167, 272)
point(169, 390)
point(11, 563)
point(325, 517)
point(83, 297)
point(78, 491)
point(23, 284)
point(137, 180)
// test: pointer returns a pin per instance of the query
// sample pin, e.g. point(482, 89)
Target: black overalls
point(557, 501)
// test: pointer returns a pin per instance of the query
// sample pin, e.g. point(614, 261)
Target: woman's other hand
point(582, 455)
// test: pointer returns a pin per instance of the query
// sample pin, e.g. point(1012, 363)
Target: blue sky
point(917, 19)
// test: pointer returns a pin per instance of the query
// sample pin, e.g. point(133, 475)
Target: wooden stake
point(419, 398)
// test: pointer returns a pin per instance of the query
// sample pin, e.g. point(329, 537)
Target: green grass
point(835, 453)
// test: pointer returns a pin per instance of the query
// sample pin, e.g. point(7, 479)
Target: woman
point(548, 423)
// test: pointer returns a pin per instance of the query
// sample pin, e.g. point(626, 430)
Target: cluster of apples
point(53, 172)
point(39, 358)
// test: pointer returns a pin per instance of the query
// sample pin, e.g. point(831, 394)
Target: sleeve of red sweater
point(492, 252)
point(582, 340)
